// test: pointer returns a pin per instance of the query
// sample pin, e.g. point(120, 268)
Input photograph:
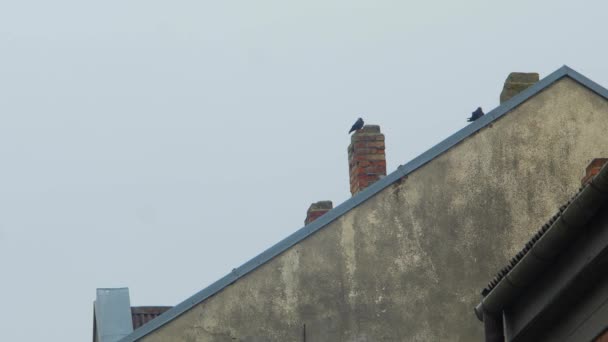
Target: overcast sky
point(159, 144)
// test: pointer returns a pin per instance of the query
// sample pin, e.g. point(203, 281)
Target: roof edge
point(542, 250)
point(356, 200)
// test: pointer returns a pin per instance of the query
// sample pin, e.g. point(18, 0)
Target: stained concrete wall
point(409, 263)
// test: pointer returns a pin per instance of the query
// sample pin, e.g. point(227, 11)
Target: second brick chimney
point(516, 83)
point(366, 158)
point(593, 168)
point(317, 209)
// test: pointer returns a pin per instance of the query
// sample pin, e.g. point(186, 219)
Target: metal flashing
point(356, 200)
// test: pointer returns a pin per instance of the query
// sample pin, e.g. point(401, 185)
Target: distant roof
point(114, 317)
point(546, 245)
point(144, 314)
point(346, 206)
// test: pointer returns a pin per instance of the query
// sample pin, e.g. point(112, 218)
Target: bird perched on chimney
point(357, 126)
point(476, 115)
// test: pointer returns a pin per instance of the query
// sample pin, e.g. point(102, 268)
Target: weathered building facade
point(402, 259)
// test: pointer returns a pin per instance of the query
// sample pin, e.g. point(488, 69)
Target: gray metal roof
point(362, 196)
point(112, 314)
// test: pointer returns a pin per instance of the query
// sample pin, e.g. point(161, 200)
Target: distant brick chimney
point(516, 82)
point(366, 158)
point(593, 168)
point(317, 209)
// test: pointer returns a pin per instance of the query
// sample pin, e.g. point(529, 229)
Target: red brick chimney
point(316, 210)
point(593, 168)
point(366, 158)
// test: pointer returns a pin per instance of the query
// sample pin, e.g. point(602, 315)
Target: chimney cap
point(369, 129)
point(321, 205)
point(523, 77)
point(517, 82)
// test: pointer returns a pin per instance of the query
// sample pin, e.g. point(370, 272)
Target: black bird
point(476, 114)
point(357, 126)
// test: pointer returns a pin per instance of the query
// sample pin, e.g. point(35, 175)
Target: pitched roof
point(546, 245)
point(402, 171)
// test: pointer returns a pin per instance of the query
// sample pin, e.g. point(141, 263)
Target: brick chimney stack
point(593, 168)
point(366, 158)
point(316, 210)
point(517, 82)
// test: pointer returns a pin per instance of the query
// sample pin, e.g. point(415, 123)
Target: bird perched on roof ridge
point(476, 114)
point(357, 126)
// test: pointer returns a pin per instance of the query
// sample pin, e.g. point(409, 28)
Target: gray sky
point(159, 144)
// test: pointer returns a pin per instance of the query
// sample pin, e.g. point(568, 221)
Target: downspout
point(493, 327)
point(492, 324)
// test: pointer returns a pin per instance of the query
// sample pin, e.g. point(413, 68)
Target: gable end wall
point(406, 264)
